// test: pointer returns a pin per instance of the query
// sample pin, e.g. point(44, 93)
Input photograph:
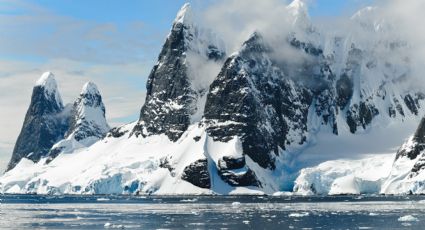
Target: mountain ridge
point(245, 130)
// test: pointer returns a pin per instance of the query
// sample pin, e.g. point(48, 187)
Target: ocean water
point(211, 212)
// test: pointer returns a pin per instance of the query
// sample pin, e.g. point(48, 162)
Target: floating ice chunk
point(236, 204)
point(407, 218)
point(245, 221)
point(102, 199)
point(189, 200)
point(283, 193)
point(301, 214)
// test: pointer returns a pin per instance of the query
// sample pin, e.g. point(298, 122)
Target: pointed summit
point(47, 83)
point(46, 78)
point(299, 11)
point(184, 16)
point(88, 120)
point(174, 88)
point(297, 7)
point(87, 123)
point(45, 122)
point(90, 88)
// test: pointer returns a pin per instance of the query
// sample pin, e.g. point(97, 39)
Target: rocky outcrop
point(173, 96)
point(87, 123)
point(45, 123)
point(234, 172)
point(252, 99)
point(415, 145)
point(197, 174)
point(88, 115)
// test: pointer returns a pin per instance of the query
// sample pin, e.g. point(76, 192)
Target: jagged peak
point(90, 88)
point(255, 37)
point(48, 82)
point(254, 42)
point(299, 11)
point(184, 16)
point(89, 114)
point(297, 7)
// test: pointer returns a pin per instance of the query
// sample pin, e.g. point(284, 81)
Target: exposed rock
point(171, 97)
point(197, 174)
point(251, 99)
point(87, 123)
point(233, 171)
point(45, 123)
point(415, 145)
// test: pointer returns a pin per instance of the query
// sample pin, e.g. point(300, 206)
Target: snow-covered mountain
point(87, 123)
point(255, 121)
point(407, 175)
point(175, 89)
point(45, 123)
point(50, 128)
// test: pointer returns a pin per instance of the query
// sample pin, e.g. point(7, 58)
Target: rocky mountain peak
point(413, 147)
point(175, 87)
point(299, 11)
point(45, 122)
point(90, 88)
point(47, 83)
point(87, 123)
point(88, 119)
point(184, 16)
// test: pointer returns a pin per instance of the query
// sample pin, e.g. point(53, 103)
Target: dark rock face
point(170, 99)
point(87, 122)
point(418, 144)
point(83, 127)
point(230, 163)
point(418, 167)
point(412, 102)
point(45, 124)
point(116, 132)
point(247, 178)
point(233, 171)
point(197, 174)
point(414, 149)
point(251, 99)
point(344, 89)
point(360, 115)
point(169, 95)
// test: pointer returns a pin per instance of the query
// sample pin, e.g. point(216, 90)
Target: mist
point(389, 31)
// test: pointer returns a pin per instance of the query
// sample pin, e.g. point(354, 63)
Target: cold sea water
point(211, 212)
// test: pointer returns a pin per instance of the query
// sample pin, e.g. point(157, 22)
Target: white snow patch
point(299, 214)
point(48, 82)
point(344, 176)
point(408, 218)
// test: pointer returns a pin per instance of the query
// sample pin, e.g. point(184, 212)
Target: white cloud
point(234, 20)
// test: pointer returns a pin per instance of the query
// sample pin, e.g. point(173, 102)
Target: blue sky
point(111, 42)
point(153, 18)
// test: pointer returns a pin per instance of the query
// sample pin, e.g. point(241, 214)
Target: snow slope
point(364, 176)
point(246, 125)
point(151, 165)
